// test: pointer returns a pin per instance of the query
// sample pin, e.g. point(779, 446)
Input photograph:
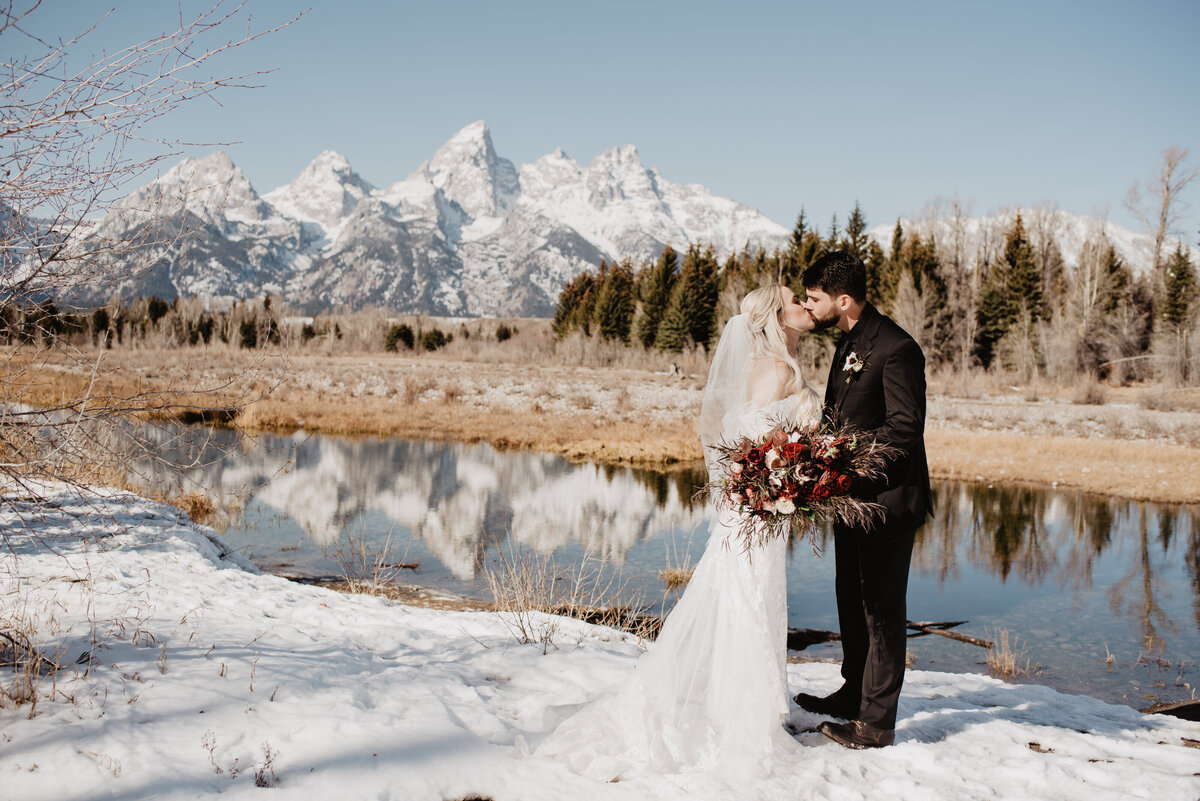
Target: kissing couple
point(712, 691)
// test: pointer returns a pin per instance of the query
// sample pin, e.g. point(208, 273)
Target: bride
point(712, 690)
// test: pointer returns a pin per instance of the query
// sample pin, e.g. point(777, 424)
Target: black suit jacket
point(887, 400)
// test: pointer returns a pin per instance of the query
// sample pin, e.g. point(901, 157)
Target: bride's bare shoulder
point(765, 367)
point(769, 379)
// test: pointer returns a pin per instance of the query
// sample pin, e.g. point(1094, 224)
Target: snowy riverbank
point(212, 676)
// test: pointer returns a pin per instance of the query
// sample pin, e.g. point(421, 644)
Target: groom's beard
point(824, 322)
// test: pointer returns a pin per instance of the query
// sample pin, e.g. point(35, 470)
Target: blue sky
point(777, 105)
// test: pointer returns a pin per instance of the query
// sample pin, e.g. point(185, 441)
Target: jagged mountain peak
point(325, 192)
point(463, 234)
point(331, 160)
point(477, 131)
point(210, 186)
point(469, 173)
point(625, 155)
point(214, 168)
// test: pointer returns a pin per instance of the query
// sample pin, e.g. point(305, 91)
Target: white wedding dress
point(711, 693)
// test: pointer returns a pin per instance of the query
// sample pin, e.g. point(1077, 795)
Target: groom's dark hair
point(838, 273)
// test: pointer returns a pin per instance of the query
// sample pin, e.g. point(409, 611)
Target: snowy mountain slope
point(325, 192)
point(466, 233)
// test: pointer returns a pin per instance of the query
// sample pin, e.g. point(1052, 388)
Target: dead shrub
point(199, 507)
point(1006, 658)
point(367, 568)
point(677, 572)
point(415, 387)
point(24, 666)
point(1090, 392)
point(676, 577)
point(529, 589)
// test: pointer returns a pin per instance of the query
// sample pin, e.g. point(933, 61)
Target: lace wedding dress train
point(711, 693)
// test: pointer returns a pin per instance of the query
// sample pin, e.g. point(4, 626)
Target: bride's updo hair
point(763, 308)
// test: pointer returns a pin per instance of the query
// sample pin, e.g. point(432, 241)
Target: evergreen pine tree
point(856, 233)
point(792, 260)
point(994, 316)
point(1024, 281)
point(882, 286)
point(1180, 289)
point(1011, 290)
point(614, 303)
point(876, 263)
point(656, 294)
point(691, 313)
point(804, 248)
point(673, 331)
point(1119, 279)
point(703, 320)
point(921, 259)
point(570, 299)
point(585, 311)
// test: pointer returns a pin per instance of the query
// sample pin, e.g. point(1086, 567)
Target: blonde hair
point(763, 308)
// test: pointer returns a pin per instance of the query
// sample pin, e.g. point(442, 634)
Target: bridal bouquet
point(797, 478)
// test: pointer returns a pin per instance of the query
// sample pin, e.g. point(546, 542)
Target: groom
point(876, 385)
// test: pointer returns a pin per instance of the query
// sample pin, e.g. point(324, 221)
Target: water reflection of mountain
point(458, 499)
point(463, 500)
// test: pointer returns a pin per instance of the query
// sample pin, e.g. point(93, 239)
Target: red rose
point(820, 492)
point(793, 451)
point(842, 483)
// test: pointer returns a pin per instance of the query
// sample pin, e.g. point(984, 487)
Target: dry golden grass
point(52, 385)
point(676, 577)
point(198, 505)
point(1006, 659)
point(1136, 470)
point(605, 440)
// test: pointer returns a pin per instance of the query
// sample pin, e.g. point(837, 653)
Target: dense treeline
point(183, 321)
point(154, 322)
point(1013, 305)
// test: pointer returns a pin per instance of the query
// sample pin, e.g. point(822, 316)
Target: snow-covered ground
point(218, 678)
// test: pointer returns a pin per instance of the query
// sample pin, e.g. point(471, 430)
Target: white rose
point(784, 506)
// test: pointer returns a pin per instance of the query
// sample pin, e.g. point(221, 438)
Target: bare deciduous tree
point(1158, 206)
point(69, 126)
point(1045, 223)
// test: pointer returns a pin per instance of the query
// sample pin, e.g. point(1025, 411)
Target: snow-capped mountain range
point(466, 234)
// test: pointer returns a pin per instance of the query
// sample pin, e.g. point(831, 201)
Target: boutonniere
point(854, 364)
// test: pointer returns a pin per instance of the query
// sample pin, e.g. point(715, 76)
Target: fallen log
point(942, 629)
point(1185, 710)
point(799, 639)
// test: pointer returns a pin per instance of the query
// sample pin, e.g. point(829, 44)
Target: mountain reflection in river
point(1075, 577)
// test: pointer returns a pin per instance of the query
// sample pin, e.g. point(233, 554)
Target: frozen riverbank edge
point(213, 677)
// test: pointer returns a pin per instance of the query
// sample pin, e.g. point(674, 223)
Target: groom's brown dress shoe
point(830, 705)
point(857, 734)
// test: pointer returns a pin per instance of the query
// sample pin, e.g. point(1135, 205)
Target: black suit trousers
point(872, 589)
